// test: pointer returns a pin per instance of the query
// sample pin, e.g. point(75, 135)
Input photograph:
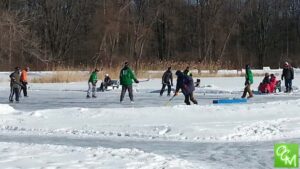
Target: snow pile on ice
point(258, 130)
point(6, 109)
point(260, 121)
point(23, 156)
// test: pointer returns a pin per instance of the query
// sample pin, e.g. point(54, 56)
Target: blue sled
point(229, 101)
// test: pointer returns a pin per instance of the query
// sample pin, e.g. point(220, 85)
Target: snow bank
point(6, 109)
point(256, 131)
point(261, 121)
point(23, 156)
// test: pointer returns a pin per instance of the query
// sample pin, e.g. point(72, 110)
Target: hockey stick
point(147, 80)
point(169, 101)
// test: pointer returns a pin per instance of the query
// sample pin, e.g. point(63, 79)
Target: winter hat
point(247, 66)
point(267, 74)
point(286, 64)
point(169, 68)
point(178, 73)
point(96, 70)
point(17, 68)
point(106, 75)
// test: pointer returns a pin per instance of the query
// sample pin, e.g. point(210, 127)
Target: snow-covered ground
point(57, 127)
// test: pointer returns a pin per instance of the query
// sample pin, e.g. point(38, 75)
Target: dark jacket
point(15, 79)
point(266, 80)
point(288, 73)
point(167, 77)
point(185, 83)
point(107, 79)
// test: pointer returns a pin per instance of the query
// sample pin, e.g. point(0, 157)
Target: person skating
point(126, 79)
point(167, 80)
point(106, 82)
point(248, 82)
point(288, 76)
point(186, 84)
point(24, 81)
point(15, 85)
point(92, 84)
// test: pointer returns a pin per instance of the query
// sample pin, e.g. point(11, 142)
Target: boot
point(244, 94)
point(250, 96)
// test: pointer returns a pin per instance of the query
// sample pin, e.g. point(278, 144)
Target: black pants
point(124, 89)
point(288, 85)
point(104, 85)
point(14, 91)
point(188, 98)
point(163, 88)
point(24, 88)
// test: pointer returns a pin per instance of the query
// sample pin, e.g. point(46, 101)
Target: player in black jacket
point(288, 76)
point(167, 80)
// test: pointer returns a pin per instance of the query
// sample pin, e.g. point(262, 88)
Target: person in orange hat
point(24, 81)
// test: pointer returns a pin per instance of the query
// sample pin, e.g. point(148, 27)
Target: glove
point(136, 81)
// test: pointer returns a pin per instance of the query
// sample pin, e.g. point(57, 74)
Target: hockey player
point(92, 84)
point(167, 80)
point(126, 79)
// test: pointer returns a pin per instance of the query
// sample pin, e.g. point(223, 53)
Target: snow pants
point(92, 89)
point(188, 98)
point(247, 90)
point(163, 88)
point(24, 88)
point(104, 86)
point(130, 91)
point(14, 91)
point(288, 85)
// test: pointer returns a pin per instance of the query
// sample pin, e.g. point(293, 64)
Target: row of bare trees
point(47, 33)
